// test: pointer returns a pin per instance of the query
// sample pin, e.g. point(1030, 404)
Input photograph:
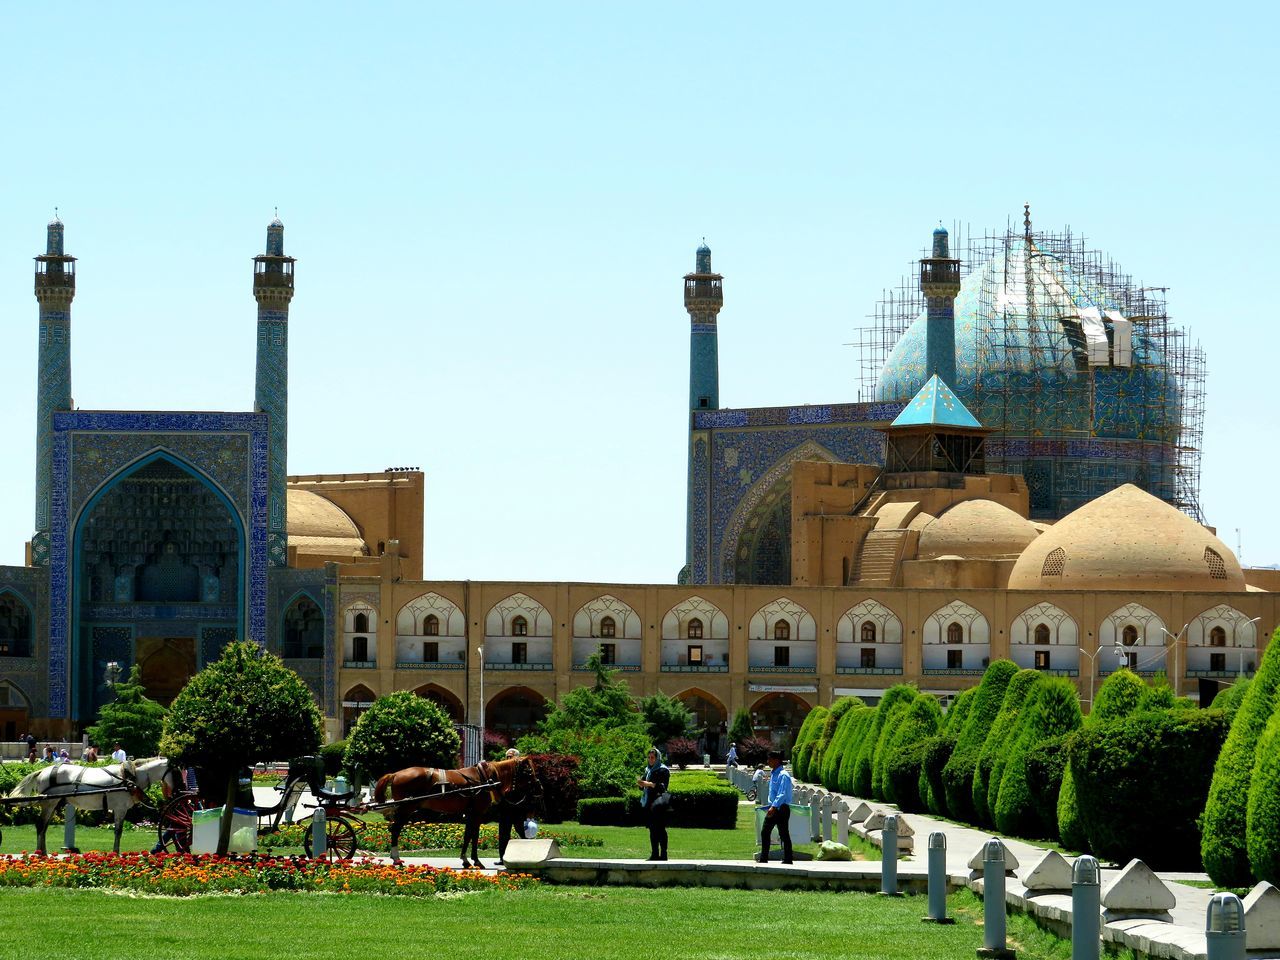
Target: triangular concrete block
point(1010, 861)
point(1262, 918)
point(1137, 890)
point(529, 853)
point(860, 811)
point(1050, 872)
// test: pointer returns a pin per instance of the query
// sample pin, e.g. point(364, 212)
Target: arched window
point(608, 627)
point(1217, 637)
point(431, 626)
point(519, 627)
point(955, 633)
point(304, 629)
point(15, 627)
point(782, 630)
point(361, 623)
point(868, 631)
point(1042, 633)
point(1129, 636)
point(695, 629)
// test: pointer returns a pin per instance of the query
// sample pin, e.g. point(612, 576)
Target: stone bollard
point(1086, 909)
point(828, 805)
point(889, 857)
point(319, 838)
point(993, 928)
point(938, 879)
point(842, 822)
point(815, 816)
point(69, 830)
point(1224, 927)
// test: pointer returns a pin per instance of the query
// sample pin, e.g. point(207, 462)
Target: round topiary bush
point(402, 730)
point(1142, 781)
point(682, 751)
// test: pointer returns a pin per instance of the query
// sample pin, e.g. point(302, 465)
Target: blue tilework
point(101, 445)
point(704, 366)
point(53, 393)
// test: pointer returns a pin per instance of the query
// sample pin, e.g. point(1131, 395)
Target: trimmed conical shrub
point(956, 714)
point(1118, 697)
point(848, 731)
point(1263, 834)
point(820, 763)
point(1229, 699)
point(904, 757)
point(998, 739)
point(937, 751)
point(858, 782)
point(1051, 711)
point(897, 714)
point(957, 775)
point(1223, 844)
point(805, 741)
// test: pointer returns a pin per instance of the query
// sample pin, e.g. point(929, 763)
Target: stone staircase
point(878, 560)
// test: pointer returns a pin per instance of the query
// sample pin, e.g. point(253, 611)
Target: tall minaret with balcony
point(273, 289)
point(55, 289)
point(703, 298)
point(940, 284)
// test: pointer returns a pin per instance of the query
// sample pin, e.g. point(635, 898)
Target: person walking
point(731, 758)
point(118, 755)
point(655, 799)
point(778, 812)
point(30, 741)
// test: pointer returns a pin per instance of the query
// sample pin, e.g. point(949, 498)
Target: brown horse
point(426, 793)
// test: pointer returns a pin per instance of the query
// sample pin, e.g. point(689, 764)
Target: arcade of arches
point(515, 711)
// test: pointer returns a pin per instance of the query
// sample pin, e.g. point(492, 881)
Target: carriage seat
point(330, 796)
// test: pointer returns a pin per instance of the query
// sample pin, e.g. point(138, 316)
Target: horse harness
point(127, 778)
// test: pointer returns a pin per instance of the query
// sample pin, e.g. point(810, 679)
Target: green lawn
point(600, 923)
point(619, 842)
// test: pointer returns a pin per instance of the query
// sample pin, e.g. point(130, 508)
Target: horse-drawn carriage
point(416, 793)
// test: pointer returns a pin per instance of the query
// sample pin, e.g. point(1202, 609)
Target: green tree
point(857, 772)
point(844, 744)
point(1262, 837)
point(667, 717)
point(741, 728)
point(904, 757)
point(1229, 699)
point(401, 730)
point(897, 714)
point(132, 719)
point(1118, 697)
point(244, 707)
point(1224, 846)
point(806, 739)
point(606, 703)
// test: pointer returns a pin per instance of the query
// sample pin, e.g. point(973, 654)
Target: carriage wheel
point(175, 822)
point(339, 842)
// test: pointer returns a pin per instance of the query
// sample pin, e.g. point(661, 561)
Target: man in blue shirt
point(778, 813)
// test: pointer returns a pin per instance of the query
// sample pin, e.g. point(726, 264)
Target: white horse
point(116, 788)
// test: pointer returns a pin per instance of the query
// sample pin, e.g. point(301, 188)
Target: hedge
point(1052, 710)
point(955, 715)
point(1223, 843)
point(1117, 697)
point(957, 775)
point(905, 755)
point(817, 758)
point(937, 751)
point(1229, 699)
point(805, 741)
point(830, 771)
point(856, 771)
point(848, 735)
point(708, 803)
point(1141, 782)
point(998, 738)
point(1263, 833)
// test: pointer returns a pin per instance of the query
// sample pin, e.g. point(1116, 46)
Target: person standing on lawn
point(655, 798)
point(509, 816)
point(778, 812)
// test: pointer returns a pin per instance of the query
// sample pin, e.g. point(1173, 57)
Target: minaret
point(55, 289)
point(703, 298)
point(273, 289)
point(940, 284)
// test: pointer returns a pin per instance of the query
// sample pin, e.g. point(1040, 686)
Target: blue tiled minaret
point(55, 289)
point(940, 284)
point(703, 298)
point(273, 289)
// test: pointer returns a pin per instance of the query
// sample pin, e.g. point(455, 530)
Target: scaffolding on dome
point(1047, 381)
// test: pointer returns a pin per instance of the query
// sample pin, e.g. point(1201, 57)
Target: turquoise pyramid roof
point(936, 405)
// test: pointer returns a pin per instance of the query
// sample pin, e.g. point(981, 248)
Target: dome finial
point(1026, 221)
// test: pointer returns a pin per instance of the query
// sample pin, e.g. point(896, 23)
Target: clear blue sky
point(493, 206)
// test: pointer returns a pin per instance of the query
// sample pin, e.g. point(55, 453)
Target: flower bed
point(183, 875)
point(376, 835)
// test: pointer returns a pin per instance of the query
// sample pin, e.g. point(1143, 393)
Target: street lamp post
point(1093, 668)
point(113, 675)
point(480, 654)
point(1177, 677)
